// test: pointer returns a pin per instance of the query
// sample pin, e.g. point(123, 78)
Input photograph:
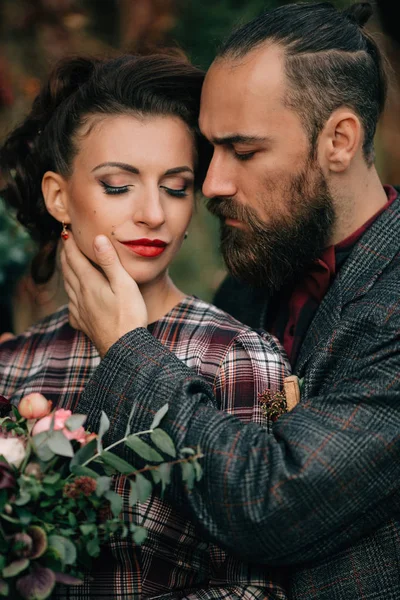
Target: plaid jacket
point(321, 491)
point(174, 561)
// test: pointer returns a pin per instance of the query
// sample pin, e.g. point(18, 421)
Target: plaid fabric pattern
point(174, 562)
point(321, 492)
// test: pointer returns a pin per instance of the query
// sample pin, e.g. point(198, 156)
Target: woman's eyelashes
point(177, 190)
point(114, 189)
point(177, 193)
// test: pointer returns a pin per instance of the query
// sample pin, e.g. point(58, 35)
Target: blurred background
point(34, 34)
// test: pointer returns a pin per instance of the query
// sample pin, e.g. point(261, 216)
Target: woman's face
point(132, 180)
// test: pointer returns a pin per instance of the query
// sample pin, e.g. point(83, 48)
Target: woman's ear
point(54, 190)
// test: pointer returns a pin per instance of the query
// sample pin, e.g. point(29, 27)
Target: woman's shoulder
point(38, 333)
point(208, 330)
point(206, 316)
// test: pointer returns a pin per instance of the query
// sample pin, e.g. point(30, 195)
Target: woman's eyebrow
point(176, 170)
point(119, 165)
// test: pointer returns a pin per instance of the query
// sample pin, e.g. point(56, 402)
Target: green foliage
point(202, 26)
point(50, 528)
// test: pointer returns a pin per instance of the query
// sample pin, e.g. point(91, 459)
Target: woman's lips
point(146, 247)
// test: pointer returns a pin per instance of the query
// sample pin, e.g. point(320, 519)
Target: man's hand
point(104, 306)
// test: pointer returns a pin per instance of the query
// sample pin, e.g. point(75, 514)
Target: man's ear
point(54, 190)
point(341, 139)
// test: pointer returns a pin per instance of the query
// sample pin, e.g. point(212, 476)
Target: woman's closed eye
point(115, 189)
point(176, 192)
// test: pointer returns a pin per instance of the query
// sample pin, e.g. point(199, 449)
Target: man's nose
point(220, 180)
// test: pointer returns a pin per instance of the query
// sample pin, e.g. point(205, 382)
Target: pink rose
point(34, 406)
point(61, 416)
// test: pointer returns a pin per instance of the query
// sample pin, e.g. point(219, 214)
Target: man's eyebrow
point(177, 170)
point(119, 165)
point(237, 138)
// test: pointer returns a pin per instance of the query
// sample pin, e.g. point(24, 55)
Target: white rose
point(13, 450)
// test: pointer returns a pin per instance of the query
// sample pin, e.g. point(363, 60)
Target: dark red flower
point(5, 406)
point(7, 479)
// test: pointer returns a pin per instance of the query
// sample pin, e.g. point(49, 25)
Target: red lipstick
point(145, 247)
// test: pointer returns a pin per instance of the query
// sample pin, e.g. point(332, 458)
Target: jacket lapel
point(370, 256)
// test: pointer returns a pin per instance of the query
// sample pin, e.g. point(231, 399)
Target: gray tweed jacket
point(319, 496)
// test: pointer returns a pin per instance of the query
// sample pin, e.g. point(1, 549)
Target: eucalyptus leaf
point(60, 445)
point(84, 454)
point(143, 449)
point(88, 528)
point(75, 421)
point(52, 478)
point(158, 417)
point(139, 535)
point(144, 487)
point(162, 440)
point(188, 474)
point(93, 548)
point(121, 465)
point(115, 501)
point(165, 475)
point(80, 470)
point(133, 494)
point(23, 498)
point(130, 419)
point(155, 475)
point(104, 427)
point(198, 470)
point(64, 547)
point(103, 485)
point(41, 446)
point(187, 451)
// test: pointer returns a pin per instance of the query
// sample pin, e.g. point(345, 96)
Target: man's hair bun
point(359, 13)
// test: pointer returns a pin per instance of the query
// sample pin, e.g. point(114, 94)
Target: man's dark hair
point(330, 61)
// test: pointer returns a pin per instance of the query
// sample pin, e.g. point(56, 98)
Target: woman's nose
point(150, 211)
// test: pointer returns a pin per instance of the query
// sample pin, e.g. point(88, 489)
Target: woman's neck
point(160, 297)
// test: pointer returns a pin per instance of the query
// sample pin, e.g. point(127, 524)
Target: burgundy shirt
point(291, 311)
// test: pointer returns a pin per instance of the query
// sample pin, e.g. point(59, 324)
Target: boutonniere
point(275, 404)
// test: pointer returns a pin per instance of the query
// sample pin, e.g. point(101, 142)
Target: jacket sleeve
point(253, 363)
point(328, 472)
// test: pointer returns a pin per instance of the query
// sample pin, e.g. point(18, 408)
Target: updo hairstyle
point(78, 88)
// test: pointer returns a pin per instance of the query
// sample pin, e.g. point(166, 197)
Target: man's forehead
point(241, 89)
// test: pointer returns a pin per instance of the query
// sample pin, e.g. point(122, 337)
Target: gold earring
point(64, 233)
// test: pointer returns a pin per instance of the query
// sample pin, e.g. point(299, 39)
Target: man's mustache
point(228, 208)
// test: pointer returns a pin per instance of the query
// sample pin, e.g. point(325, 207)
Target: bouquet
point(57, 506)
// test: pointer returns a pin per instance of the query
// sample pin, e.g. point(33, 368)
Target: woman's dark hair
point(330, 61)
point(159, 85)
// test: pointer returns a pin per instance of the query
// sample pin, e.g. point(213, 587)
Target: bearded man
point(290, 106)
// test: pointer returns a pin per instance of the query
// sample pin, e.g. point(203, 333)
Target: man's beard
point(272, 254)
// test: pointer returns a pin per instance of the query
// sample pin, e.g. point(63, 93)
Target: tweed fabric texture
point(320, 492)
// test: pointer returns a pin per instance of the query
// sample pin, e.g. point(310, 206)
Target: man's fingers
point(108, 260)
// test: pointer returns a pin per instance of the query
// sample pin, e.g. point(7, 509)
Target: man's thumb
point(107, 257)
